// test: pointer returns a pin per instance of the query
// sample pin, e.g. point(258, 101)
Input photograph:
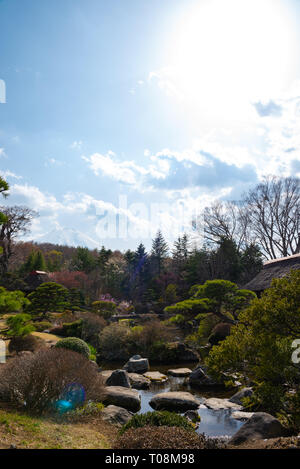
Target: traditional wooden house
point(34, 279)
point(276, 268)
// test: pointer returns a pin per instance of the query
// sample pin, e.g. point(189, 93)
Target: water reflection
point(213, 422)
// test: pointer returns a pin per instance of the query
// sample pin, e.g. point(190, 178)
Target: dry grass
point(27, 432)
point(50, 339)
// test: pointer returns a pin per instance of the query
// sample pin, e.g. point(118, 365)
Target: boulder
point(238, 396)
point(155, 376)
point(118, 378)
point(106, 374)
point(122, 397)
point(176, 401)
point(116, 415)
point(200, 379)
point(137, 364)
point(215, 403)
point(180, 372)
point(259, 427)
point(139, 381)
point(240, 415)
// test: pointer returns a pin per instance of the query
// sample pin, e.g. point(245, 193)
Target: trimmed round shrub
point(219, 333)
point(27, 343)
point(74, 344)
point(158, 419)
point(164, 437)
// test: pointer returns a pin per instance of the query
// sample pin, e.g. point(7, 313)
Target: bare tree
point(227, 220)
point(17, 223)
point(267, 216)
point(273, 208)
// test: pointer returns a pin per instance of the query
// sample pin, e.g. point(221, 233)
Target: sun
point(225, 54)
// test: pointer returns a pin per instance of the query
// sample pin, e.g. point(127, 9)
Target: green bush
point(74, 344)
point(260, 348)
point(158, 419)
point(93, 353)
point(104, 308)
point(113, 342)
point(42, 326)
point(72, 329)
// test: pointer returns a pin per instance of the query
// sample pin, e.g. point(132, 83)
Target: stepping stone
point(180, 372)
point(177, 401)
point(220, 404)
point(122, 397)
point(155, 376)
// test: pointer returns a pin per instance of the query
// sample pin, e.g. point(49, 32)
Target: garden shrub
point(164, 437)
point(74, 344)
point(92, 325)
point(57, 330)
point(28, 343)
point(113, 342)
point(42, 326)
point(104, 308)
point(142, 339)
point(93, 353)
point(157, 419)
point(219, 333)
point(260, 348)
point(73, 329)
point(38, 381)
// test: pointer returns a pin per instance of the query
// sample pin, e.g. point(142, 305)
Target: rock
point(239, 415)
point(180, 372)
point(177, 401)
point(192, 415)
point(217, 404)
point(122, 397)
point(139, 381)
point(116, 415)
point(200, 379)
point(118, 378)
point(155, 376)
point(238, 396)
point(106, 374)
point(137, 364)
point(260, 426)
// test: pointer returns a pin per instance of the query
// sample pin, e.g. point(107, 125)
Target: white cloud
point(2, 153)
point(107, 165)
point(76, 145)
point(9, 174)
point(53, 162)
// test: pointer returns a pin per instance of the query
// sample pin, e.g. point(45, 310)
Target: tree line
point(238, 236)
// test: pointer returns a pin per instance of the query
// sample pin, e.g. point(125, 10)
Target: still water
point(213, 422)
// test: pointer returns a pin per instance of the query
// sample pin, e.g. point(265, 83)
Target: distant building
point(34, 279)
point(276, 268)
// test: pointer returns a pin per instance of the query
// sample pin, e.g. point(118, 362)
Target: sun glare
point(227, 53)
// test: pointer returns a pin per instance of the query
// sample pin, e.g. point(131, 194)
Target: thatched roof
point(34, 279)
point(276, 268)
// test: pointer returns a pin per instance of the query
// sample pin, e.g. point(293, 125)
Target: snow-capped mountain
point(69, 237)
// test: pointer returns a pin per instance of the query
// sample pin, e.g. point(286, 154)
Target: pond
point(213, 422)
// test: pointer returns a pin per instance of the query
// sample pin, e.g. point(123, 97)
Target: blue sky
point(123, 116)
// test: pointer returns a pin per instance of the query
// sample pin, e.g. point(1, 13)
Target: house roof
point(275, 268)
